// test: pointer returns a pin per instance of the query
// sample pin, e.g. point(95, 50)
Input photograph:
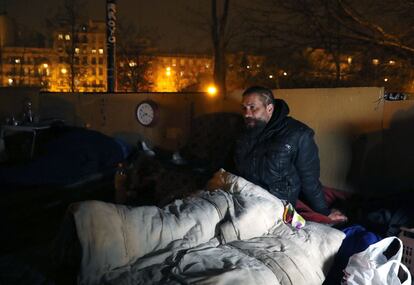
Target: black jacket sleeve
point(308, 167)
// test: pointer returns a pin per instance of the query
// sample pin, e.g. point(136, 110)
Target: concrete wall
point(112, 114)
point(364, 142)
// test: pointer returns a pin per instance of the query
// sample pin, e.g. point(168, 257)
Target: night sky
point(168, 17)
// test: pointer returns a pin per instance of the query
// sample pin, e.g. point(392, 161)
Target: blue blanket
point(70, 155)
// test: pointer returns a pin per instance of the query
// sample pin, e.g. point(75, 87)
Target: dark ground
point(31, 219)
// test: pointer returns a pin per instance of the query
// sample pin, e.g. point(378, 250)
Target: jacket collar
point(281, 111)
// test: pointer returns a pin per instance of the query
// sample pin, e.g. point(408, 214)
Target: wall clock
point(147, 113)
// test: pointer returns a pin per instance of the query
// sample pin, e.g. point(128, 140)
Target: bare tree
point(134, 48)
point(219, 18)
point(69, 17)
point(224, 25)
point(339, 27)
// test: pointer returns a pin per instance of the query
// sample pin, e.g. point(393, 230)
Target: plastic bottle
point(120, 184)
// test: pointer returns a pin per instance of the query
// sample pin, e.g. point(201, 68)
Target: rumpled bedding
point(233, 235)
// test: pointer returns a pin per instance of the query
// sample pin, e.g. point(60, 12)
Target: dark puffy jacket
point(283, 159)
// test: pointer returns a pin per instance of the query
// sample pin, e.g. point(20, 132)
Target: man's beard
point(254, 126)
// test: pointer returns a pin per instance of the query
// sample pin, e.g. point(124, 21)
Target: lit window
point(45, 65)
point(77, 50)
point(132, 63)
point(67, 37)
point(93, 50)
point(375, 61)
point(168, 71)
point(10, 81)
point(60, 37)
point(17, 60)
point(100, 51)
point(63, 70)
point(349, 59)
point(391, 62)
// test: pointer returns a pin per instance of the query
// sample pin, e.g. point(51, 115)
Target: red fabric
point(331, 195)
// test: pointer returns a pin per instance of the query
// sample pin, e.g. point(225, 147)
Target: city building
point(77, 61)
point(73, 63)
point(81, 58)
point(28, 66)
point(181, 72)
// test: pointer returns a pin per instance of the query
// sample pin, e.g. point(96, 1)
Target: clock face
point(146, 113)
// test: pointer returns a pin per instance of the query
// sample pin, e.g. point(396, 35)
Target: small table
point(32, 128)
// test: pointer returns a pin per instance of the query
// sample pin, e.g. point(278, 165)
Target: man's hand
point(337, 216)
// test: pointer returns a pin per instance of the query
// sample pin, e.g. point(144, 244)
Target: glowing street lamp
point(63, 71)
point(212, 90)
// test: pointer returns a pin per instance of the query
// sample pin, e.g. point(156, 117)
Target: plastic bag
point(377, 265)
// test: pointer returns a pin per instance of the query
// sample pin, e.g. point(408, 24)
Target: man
point(279, 153)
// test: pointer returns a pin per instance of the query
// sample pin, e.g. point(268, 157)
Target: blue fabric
point(125, 147)
point(72, 155)
point(357, 239)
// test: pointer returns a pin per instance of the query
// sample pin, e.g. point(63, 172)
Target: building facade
point(77, 62)
point(21, 66)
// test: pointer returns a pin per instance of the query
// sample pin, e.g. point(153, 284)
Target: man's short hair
point(265, 94)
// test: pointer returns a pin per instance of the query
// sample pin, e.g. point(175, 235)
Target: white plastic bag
point(371, 266)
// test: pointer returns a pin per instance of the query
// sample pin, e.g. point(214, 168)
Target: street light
point(212, 90)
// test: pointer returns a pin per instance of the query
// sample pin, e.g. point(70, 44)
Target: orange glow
point(212, 90)
point(168, 71)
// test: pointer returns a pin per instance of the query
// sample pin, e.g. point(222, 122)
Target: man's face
point(255, 112)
